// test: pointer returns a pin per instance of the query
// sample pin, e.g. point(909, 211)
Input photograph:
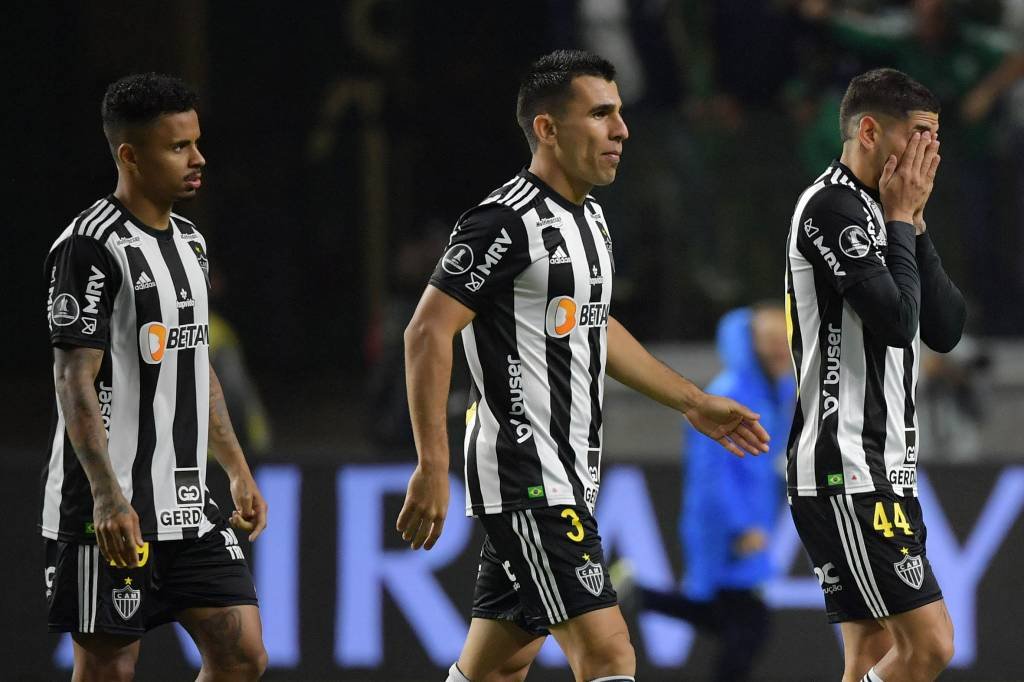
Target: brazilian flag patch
point(535, 491)
point(834, 479)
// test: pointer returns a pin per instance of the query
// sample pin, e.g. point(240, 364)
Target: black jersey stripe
point(558, 353)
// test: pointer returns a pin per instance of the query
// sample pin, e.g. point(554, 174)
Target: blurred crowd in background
point(344, 141)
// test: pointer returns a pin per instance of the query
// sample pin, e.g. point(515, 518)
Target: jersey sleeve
point(486, 251)
point(837, 235)
point(84, 280)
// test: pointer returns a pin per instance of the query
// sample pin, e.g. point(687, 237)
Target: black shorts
point(868, 553)
point(541, 567)
point(87, 594)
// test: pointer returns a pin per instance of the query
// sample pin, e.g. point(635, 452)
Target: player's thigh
point(227, 636)
point(102, 656)
point(498, 651)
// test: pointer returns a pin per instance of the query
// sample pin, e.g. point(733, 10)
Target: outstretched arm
point(734, 426)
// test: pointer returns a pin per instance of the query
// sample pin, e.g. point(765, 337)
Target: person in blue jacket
point(730, 504)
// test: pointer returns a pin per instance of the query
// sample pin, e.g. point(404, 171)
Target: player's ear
point(126, 157)
point(869, 131)
point(544, 129)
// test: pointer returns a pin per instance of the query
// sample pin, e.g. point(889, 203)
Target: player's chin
point(605, 177)
point(186, 193)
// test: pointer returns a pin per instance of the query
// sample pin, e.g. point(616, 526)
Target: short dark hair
point(548, 84)
point(140, 99)
point(883, 91)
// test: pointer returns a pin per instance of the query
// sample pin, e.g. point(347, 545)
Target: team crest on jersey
point(911, 570)
point(204, 262)
point(127, 599)
point(591, 576)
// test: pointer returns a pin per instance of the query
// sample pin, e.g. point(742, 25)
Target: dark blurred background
point(344, 138)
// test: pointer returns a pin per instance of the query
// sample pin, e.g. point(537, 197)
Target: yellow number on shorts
point(577, 534)
point(143, 555)
point(882, 521)
point(899, 520)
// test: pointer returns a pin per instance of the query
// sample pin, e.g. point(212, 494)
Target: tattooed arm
point(251, 509)
point(116, 523)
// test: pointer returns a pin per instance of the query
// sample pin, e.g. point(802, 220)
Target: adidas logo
point(144, 282)
point(559, 257)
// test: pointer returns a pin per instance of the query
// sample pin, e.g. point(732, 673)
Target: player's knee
point(112, 669)
point(611, 655)
point(248, 661)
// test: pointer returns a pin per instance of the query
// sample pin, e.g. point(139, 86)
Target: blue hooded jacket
point(724, 495)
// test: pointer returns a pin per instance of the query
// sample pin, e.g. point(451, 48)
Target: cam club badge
point(910, 570)
point(591, 576)
point(127, 599)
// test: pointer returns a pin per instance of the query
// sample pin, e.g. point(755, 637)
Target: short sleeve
point(837, 234)
point(83, 282)
point(487, 250)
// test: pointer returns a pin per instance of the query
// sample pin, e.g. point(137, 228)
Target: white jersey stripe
point(847, 500)
point(810, 322)
point(101, 229)
point(546, 566)
point(96, 208)
point(518, 194)
point(853, 558)
point(851, 393)
point(96, 559)
point(525, 200)
point(486, 442)
point(90, 229)
point(54, 478)
point(519, 526)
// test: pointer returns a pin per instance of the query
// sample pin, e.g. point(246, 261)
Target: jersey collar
point(551, 193)
point(151, 231)
point(873, 193)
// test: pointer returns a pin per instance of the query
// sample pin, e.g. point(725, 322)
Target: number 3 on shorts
point(899, 520)
point(576, 535)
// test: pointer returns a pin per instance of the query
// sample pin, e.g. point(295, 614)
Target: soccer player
point(527, 279)
point(864, 287)
point(133, 539)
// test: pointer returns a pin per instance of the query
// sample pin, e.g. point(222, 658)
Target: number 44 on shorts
point(899, 520)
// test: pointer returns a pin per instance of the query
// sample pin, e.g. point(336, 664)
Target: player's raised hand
point(117, 529)
point(426, 504)
point(735, 427)
point(250, 515)
point(907, 182)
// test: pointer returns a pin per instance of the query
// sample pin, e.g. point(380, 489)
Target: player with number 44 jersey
point(864, 287)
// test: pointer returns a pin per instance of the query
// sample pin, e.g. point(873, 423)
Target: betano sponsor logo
point(156, 339)
point(564, 315)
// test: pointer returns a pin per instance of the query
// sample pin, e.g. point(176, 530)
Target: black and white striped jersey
point(537, 270)
point(140, 295)
point(855, 426)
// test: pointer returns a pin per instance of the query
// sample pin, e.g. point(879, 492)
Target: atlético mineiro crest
point(591, 576)
point(911, 570)
point(127, 599)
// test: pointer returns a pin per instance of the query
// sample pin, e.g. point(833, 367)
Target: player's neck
point(152, 214)
point(861, 166)
point(557, 179)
